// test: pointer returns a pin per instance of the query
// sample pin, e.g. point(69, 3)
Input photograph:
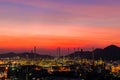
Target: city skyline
point(49, 24)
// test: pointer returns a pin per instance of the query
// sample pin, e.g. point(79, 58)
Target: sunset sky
point(49, 24)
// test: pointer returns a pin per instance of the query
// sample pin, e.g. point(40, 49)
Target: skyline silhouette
point(85, 53)
point(59, 40)
point(48, 24)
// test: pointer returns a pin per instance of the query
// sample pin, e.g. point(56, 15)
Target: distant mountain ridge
point(111, 52)
point(24, 55)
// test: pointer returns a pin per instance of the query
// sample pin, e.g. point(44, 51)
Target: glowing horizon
point(52, 23)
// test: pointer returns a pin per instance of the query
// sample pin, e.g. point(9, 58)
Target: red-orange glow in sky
point(51, 24)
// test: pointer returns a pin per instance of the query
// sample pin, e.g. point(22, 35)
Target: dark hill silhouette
point(111, 47)
point(80, 54)
point(111, 52)
point(6, 55)
point(33, 55)
point(24, 55)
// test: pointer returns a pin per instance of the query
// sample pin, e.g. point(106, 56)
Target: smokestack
point(68, 51)
point(34, 52)
point(81, 50)
point(78, 54)
point(74, 53)
point(93, 56)
point(78, 49)
point(58, 52)
point(35, 49)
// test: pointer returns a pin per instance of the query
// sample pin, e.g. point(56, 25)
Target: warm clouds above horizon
point(64, 23)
